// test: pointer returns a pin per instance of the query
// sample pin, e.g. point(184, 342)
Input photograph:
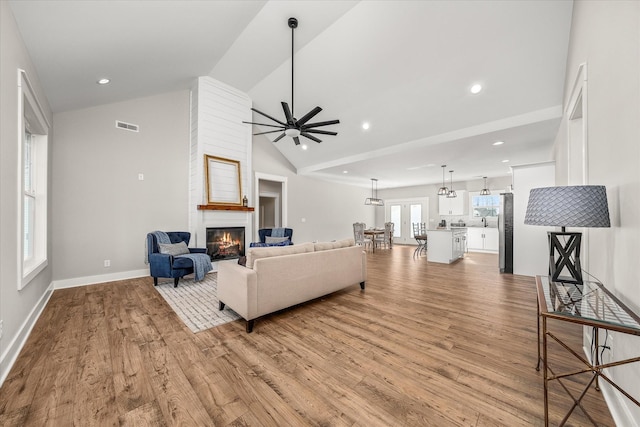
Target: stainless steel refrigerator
point(505, 232)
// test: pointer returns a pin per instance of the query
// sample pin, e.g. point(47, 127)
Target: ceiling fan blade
point(264, 124)
point(279, 137)
point(269, 131)
point(311, 137)
point(317, 124)
point(296, 140)
point(287, 113)
point(268, 116)
point(309, 116)
point(323, 132)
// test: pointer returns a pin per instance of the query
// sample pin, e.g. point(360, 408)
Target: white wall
point(606, 36)
point(530, 242)
point(101, 210)
point(329, 210)
point(18, 309)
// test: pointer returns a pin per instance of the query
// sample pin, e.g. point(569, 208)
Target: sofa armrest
point(197, 250)
point(238, 288)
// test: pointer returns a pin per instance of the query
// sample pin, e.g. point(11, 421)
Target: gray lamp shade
point(571, 206)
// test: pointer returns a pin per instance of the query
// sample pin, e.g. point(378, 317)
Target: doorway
point(403, 213)
point(271, 202)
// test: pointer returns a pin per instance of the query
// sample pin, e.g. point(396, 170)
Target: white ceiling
point(404, 66)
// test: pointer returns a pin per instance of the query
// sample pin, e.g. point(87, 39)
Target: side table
point(589, 304)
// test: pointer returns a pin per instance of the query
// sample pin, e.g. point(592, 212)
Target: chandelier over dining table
point(374, 200)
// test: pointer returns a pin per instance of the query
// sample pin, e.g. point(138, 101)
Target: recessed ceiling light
point(304, 146)
point(103, 81)
point(345, 171)
point(476, 88)
point(505, 161)
point(365, 125)
point(498, 143)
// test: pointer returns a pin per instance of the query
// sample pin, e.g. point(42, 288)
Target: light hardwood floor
point(423, 345)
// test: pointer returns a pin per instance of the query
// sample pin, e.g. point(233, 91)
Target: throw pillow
point(269, 239)
point(174, 249)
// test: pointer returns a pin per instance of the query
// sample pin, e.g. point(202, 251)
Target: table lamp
point(569, 206)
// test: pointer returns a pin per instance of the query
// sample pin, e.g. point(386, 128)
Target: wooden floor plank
point(424, 344)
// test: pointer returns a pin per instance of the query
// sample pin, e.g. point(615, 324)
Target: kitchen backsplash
point(454, 219)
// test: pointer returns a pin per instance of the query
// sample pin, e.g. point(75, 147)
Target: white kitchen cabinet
point(446, 246)
point(452, 206)
point(483, 239)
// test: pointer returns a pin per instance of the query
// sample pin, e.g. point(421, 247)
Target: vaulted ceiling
point(405, 67)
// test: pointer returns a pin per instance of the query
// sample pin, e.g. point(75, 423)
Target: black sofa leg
point(250, 325)
point(220, 305)
point(155, 281)
point(175, 282)
point(361, 285)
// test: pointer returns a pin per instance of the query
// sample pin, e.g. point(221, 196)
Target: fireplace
point(225, 243)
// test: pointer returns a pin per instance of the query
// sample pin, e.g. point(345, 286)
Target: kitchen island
point(446, 245)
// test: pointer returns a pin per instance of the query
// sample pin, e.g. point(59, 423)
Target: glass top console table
point(589, 304)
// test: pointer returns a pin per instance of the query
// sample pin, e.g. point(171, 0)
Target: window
point(396, 219)
point(32, 205)
point(416, 215)
point(29, 213)
point(483, 206)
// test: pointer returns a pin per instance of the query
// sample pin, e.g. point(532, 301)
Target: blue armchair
point(165, 265)
point(264, 232)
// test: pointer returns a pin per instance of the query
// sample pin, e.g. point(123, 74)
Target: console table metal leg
point(538, 325)
point(546, 371)
point(596, 363)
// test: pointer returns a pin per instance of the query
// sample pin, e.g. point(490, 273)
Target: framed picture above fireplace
point(222, 181)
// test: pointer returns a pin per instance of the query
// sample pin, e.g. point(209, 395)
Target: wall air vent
point(127, 126)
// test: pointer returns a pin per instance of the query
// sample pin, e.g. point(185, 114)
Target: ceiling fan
point(293, 127)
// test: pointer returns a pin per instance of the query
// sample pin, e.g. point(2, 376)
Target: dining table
point(373, 232)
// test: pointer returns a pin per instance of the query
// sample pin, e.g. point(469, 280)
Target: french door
point(403, 213)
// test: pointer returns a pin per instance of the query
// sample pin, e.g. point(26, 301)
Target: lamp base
point(565, 255)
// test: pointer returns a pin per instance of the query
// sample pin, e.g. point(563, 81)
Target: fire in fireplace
point(225, 243)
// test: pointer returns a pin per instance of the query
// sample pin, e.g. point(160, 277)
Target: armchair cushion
point(173, 248)
point(269, 239)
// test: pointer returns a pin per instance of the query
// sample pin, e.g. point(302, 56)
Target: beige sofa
point(282, 276)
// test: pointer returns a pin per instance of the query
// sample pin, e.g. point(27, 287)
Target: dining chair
point(359, 237)
point(420, 234)
point(384, 239)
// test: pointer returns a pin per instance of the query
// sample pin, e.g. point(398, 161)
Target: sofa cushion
point(256, 253)
point(174, 249)
point(344, 243)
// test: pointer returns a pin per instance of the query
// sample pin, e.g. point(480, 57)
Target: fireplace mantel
point(225, 208)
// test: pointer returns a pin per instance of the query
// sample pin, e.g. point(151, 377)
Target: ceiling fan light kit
point(292, 127)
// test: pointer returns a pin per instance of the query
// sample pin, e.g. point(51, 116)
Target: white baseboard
point(102, 278)
point(617, 403)
point(10, 355)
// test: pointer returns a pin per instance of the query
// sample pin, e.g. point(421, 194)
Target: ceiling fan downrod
point(293, 24)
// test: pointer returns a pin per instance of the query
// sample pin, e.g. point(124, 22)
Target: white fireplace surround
point(217, 113)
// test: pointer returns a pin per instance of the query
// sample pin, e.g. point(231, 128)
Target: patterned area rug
point(196, 303)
